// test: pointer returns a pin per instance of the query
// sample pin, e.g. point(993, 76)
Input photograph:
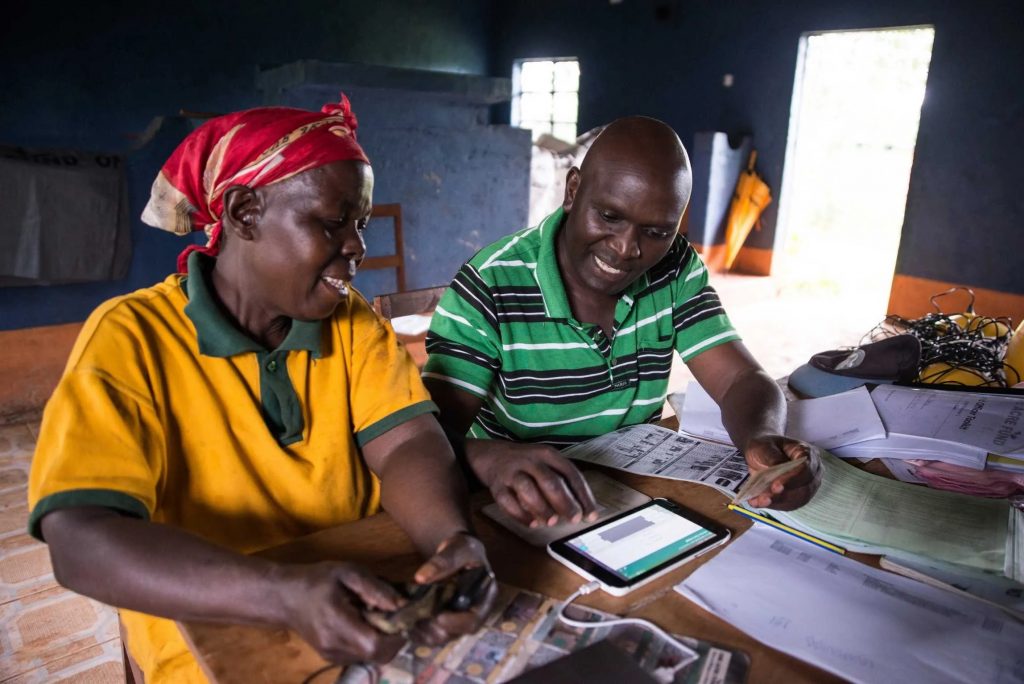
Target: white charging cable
point(687, 653)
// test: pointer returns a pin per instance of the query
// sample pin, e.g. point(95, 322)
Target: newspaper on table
point(654, 450)
point(523, 633)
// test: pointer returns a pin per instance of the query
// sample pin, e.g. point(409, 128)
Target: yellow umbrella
point(751, 197)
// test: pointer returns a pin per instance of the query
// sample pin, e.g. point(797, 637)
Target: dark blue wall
point(666, 59)
point(92, 75)
point(462, 183)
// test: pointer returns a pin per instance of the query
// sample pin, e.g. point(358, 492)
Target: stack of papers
point(956, 427)
point(872, 514)
point(984, 586)
point(860, 623)
point(972, 430)
point(828, 422)
point(853, 509)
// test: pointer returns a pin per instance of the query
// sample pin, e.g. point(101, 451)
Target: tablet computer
point(635, 547)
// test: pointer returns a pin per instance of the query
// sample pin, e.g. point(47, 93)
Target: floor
point(47, 634)
point(51, 635)
point(784, 322)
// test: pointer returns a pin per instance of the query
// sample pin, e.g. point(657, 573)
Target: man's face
point(311, 236)
point(622, 219)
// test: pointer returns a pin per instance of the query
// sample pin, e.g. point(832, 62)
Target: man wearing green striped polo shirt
point(565, 331)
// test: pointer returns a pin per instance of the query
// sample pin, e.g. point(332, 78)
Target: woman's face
point(309, 240)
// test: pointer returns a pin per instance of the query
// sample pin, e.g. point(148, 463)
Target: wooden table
point(232, 654)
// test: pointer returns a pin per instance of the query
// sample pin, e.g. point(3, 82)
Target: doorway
point(853, 126)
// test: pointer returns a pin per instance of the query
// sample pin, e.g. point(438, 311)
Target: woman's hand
point(533, 483)
point(323, 603)
point(790, 490)
point(455, 554)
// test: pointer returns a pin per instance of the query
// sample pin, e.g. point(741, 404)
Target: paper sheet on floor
point(860, 623)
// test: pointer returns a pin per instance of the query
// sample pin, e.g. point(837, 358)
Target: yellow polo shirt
point(167, 412)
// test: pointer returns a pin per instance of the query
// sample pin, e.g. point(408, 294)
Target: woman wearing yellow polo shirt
point(251, 399)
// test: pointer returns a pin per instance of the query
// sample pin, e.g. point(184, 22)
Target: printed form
point(874, 514)
point(863, 624)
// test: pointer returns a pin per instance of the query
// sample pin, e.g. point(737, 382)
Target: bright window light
point(545, 96)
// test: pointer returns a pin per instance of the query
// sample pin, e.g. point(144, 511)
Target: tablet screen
point(641, 541)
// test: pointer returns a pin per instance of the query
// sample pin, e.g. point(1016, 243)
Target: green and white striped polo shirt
point(505, 332)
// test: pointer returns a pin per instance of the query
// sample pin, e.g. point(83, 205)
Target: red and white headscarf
point(256, 147)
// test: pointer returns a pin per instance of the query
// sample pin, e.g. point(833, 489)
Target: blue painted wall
point(462, 183)
point(93, 75)
point(666, 58)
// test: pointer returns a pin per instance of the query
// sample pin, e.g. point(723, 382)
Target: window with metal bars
point(545, 96)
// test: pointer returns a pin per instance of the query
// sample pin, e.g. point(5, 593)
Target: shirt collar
point(549, 276)
point(217, 335)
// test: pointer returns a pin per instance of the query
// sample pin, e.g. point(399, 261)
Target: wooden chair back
point(399, 304)
point(396, 260)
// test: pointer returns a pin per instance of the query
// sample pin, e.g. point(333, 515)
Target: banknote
point(759, 482)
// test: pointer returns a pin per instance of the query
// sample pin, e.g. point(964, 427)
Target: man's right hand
point(322, 603)
point(533, 483)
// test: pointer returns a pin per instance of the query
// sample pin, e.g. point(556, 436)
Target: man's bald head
point(643, 143)
point(623, 207)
